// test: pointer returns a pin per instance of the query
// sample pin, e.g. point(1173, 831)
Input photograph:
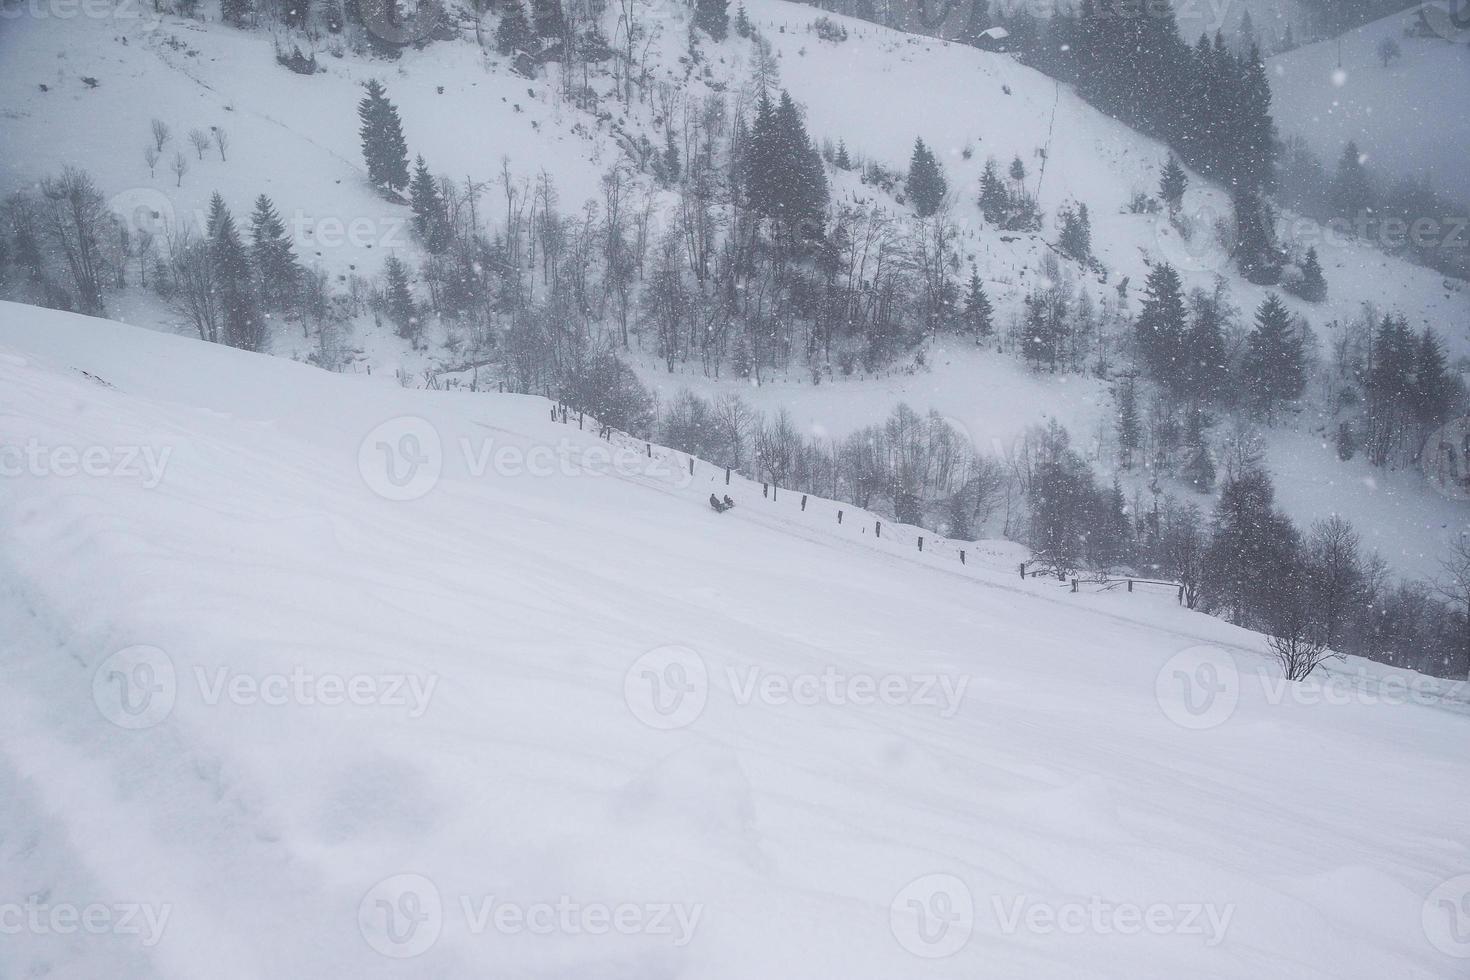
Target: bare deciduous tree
point(221, 142)
point(200, 140)
point(180, 166)
point(150, 157)
point(161, 134)
point(75, 218)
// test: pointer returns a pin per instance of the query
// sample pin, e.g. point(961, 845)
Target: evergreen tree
point(671, 164)
point(841, 160)
point(1252, 547)
point(1274, 366)
point(550, 21)
point(1352, 195)
point(994, 200)
point(242, 324)
point(513, 34)
point(925, 186)
point(1172, 184)
point(712, 17)
point(1130, 427)
point(296, 13)
point(1018, 175)
point(1254, 151)
point(398, 301)
point(1434, 391)
point(383, 146)
point(1313, 286)
point(1160, 327)
point(784, 179)
point(1256, 251)
point(1076, 237)
point(429, 219)
point(1206, 371)
point(1200, 469)
point(978, 314)
point(236, 13)
point(743, 26)
point(276, 270)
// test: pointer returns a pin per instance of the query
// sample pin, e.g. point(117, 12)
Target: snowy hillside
point(295, 138)
point(1041, 788)
point(1409, 117)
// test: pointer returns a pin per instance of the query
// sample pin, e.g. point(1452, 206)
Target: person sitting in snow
point(728, 502)
point(715, 503)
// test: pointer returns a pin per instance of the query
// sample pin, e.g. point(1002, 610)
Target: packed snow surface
point(307, 675)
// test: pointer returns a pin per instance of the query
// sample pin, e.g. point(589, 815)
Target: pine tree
point(276, 270)
point(1352, 195)
point(926, 185)
point(428, 208)
point(1160, 327)
point(235, 12)
point(398, 300)
point(383, 146)
point(1313, 286)
point(978, 314)
point(1256, 251)
point(1076, 238)
point(1200, 469)
point(713, 17)
point(1274, 366)
point(841, 160)
point(1206, 372)
point(296, 13)
point(671, 164)
point(550, 21)
point(743, 26)
point(513, 34)
point(1434, 387)
point(1172, 184)
point(994, 200)
point(1018, 175)
point(243, 326)
point(1130, 427)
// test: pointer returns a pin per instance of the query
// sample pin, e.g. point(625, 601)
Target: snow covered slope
point(296, 686)
point(1410, 118)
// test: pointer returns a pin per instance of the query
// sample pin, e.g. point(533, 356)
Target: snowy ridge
point(1309, 837)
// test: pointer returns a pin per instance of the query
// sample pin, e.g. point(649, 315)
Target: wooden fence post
point(727, 476)
point(1023, 571)
point(803, 503)
point(649, 447)
point(691, 465)
point(1074, 585)
point(1130, 585)
point(839, 517)
point(579, 421)
point(877, 529)
point(766, 490)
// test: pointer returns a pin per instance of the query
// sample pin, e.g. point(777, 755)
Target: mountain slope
point(526, 758)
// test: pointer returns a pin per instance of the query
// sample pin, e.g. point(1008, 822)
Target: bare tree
point(161, 134)
point(180, 166)
point(76, 218)
point(200, 140)
point(150, 157)
point(221, 142)
point(1336, 571)
point(1454, 584)
point(1294, 629)
point(195, 294)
